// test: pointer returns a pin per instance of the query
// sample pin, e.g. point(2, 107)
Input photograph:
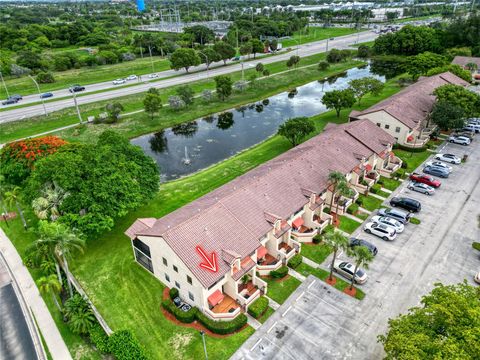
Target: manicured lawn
point(361, 215)
point(370, 203)
point(366, 43)
point(86, 75)
point(280, 290)
point(341, 284)
point(315, 34)
point(413, 159)
point(266, 315)
point(390, 184)
point(348, 225)
point(316, 252)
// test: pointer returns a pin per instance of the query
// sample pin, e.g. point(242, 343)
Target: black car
point(9, 101)
point(46, 95)
point(16, 97)
point(360, 242)
point(76, 88)
point(436, 171)
point(406, 203)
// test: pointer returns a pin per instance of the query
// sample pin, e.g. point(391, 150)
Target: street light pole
point(243, 73)
point(76, 106)
point(4, 85)
point(207, 64)
point(326, 50)
point(39, 93)
point(151, 59)
point(204, 345)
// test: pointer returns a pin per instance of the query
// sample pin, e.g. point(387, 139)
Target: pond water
point(189, 147)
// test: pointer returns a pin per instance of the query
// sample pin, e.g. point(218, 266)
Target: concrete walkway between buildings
point(272, 303)
point(296, 275)
point(254, 323)
point(30, 292)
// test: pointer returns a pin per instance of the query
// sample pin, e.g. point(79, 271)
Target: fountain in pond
point(186, 160)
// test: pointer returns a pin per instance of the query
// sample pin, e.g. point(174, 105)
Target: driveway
point(326, 324)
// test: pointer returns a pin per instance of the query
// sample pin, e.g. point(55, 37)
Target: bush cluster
point(125, 346)
point(406, 148)
point(376, 188)
point(352, 209)
point(317, 239)
point(173, 293)
point(295, 261)
point(182, 316)
point(280, 273)
point(258, 307)
point(99, 338)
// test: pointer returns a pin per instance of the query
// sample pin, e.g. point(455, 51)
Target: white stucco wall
point(383, 118)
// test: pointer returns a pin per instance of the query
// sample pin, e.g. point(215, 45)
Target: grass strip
point(348, 225)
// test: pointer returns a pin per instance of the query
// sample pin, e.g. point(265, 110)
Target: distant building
point(465, 61)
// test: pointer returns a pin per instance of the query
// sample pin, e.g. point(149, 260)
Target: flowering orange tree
point(18, 158)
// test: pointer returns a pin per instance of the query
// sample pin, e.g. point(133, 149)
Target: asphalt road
point(318, 322)
point(196, 74)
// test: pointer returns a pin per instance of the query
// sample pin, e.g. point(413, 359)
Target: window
point(189, 280)
point(165, 262)
point(144, 248)
point(167, 277)
point(143, 260)
point(397, 129)
point(387, 126)
point(190, 295)
point(175, 268)
point(177, 285)
point(379, 125)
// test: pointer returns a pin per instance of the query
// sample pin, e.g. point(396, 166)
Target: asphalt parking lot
point(318, 322)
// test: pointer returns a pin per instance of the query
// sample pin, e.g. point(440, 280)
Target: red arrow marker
point(210, 262)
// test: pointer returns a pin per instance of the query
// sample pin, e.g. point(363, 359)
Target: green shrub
point(380, 181)
point(258, 307)
point(182, 316)
point(317, 239)
point(173, 293)
point(404, 164)
point(222, 327)
point(360, 201)
point(410, 149)
point(295, 261)
point(45, 78)
point(352, 209)
point(376, 188)
point(124, 346)
point(326, 210)
point(99, 338)
point(280, 273)
point(476, 246)
point(414, 221)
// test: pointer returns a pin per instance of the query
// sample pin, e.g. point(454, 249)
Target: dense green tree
point(184, 58)
point(79, 314)
point(363, 51)
point(257, 47)
point(296, 129)
point(45, 78)
point(224, 50)
point(445, 326)
point(47, 205)
point(446, 115)
point(246, 49)
point(49, 285)
point(259, 67)
point(366, 85)
point(208, 56)
point(420, 64)
point(152, 103)
point(338, 99)
point(223, 85)
point(457, 95)
point(454, 69)
point(201, 34)
point(185, 93)
point(323, 65)
point(29, 59)
point(113, 112)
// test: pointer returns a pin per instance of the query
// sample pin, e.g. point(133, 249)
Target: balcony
point(340, 205)
point(268, 263)
point(304, 234)
point(247, 293)
point(227, 309)
point(323, 220)
point(364, 184)
point(393, 164)
point(372, 175)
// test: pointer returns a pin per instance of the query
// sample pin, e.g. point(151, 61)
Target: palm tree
point(343, 190)
point(79, 314)
point(48, 205)
point(334, 178)
point(11, 198)
point(362, 257)
point(50, 285)
point(336, 241)
point(63, 243)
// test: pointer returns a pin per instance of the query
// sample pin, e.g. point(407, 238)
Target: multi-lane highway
point(168, 78)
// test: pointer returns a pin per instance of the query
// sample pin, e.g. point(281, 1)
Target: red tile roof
point(237, 215)
point(411, 105)
point(464, 60)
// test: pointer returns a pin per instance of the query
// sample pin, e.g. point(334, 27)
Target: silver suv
point(397, 214)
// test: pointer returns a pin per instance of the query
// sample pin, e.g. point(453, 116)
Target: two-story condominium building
point(405, 114)
point(257, 222)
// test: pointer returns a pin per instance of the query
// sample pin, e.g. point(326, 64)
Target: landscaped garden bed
point(280, 289)
point(348, 225)
point(369, 203)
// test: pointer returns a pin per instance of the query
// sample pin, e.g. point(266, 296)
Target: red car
point(426, 179)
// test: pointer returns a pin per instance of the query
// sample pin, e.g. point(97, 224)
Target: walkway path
point(272, 303)
point(44, 319)
point(295, 274)
point(254, 323)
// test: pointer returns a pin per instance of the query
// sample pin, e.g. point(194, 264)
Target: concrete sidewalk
point(30, 292)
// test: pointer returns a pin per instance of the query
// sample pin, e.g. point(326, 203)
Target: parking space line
point(271, 327)
point(286, 311)
point(336, 308)
point(301, 334)
point(279, 348)
point(313, 282)
point(300, 296)
point(256, 344)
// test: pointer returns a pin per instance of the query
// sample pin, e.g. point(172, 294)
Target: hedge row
point(173, 293)
point(352, 209)
point(123, 345)
point(295, 261)
point(375, 189)
point(280, 273)
point(258, 307)
point(411, 149)
point(217, 327)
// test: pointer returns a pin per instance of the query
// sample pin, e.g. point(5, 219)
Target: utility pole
point(326, 50)
point(204, 345)
point(151, 59)
point(76, 106)
point(4, 85)
point(39, 93)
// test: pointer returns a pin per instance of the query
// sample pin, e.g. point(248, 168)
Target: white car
point(421, 188)
point(119, 81)
point(347, 269)
point(381, 230)
point(132, 77)
point(477, 278)
point(450, 158)
point(439, 164)
point(397, 225)
point(462, 140)
point(153, 76)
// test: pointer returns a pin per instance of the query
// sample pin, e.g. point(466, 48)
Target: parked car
point(406, 203)
point(119, 81)
point(397, 214)
point(347, 269)
point(421, 188)
point(16, 97)
point(360, 242)
point(477, 277)
point(450, 158)
point(389, 221)
point(46, 95)
point(425, 179)
point(381, 230)
point(462, 140)
point(472, 127)
point(132, 77)
point(436, 171)
point(153, 76)
point(76, 88)
point(9, 101)
point(439, 164)
point(468, 134)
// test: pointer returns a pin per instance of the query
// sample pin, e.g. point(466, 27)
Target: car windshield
point(360, 273)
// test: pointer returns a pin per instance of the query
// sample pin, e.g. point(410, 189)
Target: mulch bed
point(351, 292)
point(331, 281)
point(8, 216)
point(195, 324)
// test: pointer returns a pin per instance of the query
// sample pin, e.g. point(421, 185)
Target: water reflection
point(214, 138)
point(388, 67)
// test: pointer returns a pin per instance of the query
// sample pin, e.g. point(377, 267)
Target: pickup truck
point(425, 179)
